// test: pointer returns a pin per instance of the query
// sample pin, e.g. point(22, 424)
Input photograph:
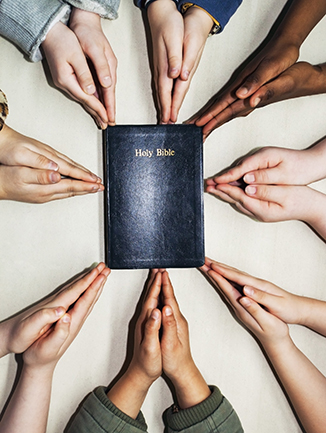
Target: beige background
point(42, 246)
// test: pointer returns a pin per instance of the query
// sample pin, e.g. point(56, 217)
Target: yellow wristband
point(186, 6)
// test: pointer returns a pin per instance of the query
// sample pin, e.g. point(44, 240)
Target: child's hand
point(70, 71)
point(87, 28)
point(146, 364)
point(270, 203)
point(269, 329)
point(245, 92)
point(178, 364)
point(197, 26)
point(167, 31)
point(30, 171)
point(19, 332)
point(273, 166)
point(78, 301)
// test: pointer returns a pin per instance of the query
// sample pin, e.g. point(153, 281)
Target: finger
point(58, 336)
point(192, 51)
point(180, 90)
point(90, 102)
point(39, 322)
point(33, 176)
point(230, 293)
point(151, 300)
point(168, 296)
point(83, 73)
point(29, 158)
point(109, 103)
point(164, 87)
point(265, 71)
point(169, 325)
point(268, 193)
point(261, 317)
point(271, 301)
point(98, 57)
point(68, 295)
point(151, 329)
point(174, 54)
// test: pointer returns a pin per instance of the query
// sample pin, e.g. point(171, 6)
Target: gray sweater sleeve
point(97, 414)
point(213, 415)
point(27, 22)
point(104, 8)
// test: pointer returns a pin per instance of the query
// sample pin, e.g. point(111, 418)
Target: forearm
point(313, 313)
point(28, 408)
point(190, 388)
point(303, 383)
point(317, 154)
point(315, 214)
point(300, 19)
point(129, 393)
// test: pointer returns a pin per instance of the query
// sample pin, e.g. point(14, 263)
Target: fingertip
point(249, 178)
point(90, 89)
point(54, 177)
point(242, 92)
point(168, 312)
point(184, 74)
point(251, 190)
point(106, 81)
point(155, 314)
point(52, 166)
point(253, 102)
point(249, 291)
point(245, 302)
point(66, 319)
point(60, 311)
point(174, 72)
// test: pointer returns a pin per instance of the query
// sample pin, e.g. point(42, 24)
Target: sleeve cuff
point(104, 8)
point(185, 418)
point(27, 26)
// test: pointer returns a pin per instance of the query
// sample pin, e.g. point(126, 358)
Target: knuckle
point(269, 94)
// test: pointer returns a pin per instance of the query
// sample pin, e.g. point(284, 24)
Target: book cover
point(154, 187)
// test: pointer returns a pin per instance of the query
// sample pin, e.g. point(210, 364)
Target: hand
point(245, 92)
point(70, 71)
point(267, 327)
point(146, 363)
point(78, 301)
point(30, 171)
point(275, 166)
point(270, 203)
point(178, 363)
point(197, 26)
point(167, 31)
point(178, 43)
point(22, 330)
point(87, 28)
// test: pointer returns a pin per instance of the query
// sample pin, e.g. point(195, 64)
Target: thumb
point(151, 328)
point(263, 298)
point(39, 177)
point(174, 56)
point(267, 176)
point(169, 325)
point(28, 158)
point(58, 336)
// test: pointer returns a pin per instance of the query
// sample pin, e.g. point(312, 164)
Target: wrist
point(202, 17)
point(79, 16)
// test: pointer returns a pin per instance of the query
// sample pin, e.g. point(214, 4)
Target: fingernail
point(248, 291)
point(249, 178)
point(55, 177)
point(174, 70)
point(66, 318)
point(52, 166)
point(95, 188)
point(245, 301)
point(256, 102)
point(155, 314)
point(107, 81)
point(186, 74)
point(242, 91)
point(251, 190)
point(168, 311)
point(90, 90)
point(94, 177)
point(59, 311)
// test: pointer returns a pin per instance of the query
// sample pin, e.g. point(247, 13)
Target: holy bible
point(154, 187)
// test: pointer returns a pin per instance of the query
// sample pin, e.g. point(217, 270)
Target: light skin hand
point(96, 47)
point(167, 30)
point(70, 71)
point(131, 389)
point(197, 26)
point(19, 332)
point(28, 408)
point(178, 363)
point(30, 171)
point(271, 331)
point(278, 166)
point(307, 390)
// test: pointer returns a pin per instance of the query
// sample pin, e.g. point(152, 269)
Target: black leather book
point(154, 185)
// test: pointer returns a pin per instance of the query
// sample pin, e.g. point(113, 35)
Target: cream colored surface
point(42, 246)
